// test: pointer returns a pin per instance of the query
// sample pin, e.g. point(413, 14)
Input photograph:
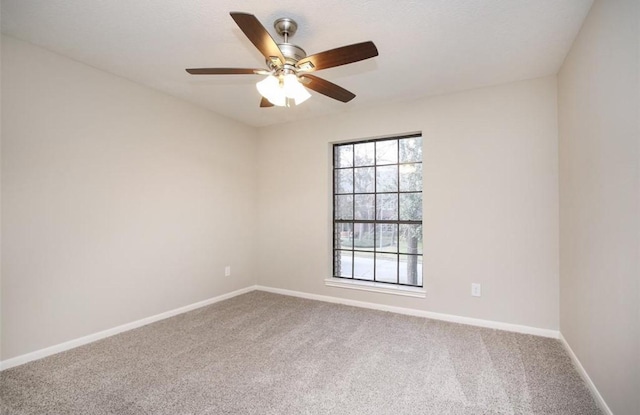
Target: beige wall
point(490, 201)
point(0, 197)
point(118, 202)
point(599, 211)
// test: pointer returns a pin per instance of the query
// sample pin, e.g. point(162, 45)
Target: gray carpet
point(262, 353)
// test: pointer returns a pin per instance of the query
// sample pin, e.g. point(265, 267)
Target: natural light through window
point(377, 210)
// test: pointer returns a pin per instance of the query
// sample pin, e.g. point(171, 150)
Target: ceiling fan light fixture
point(270, 88)
point(293, 89)
point(279, 90)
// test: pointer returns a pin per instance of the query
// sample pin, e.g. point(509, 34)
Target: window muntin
point(377, 215)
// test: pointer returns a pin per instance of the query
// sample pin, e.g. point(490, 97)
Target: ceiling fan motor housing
point(292, 52)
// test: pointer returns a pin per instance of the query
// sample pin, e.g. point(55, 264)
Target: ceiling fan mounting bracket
point(285, 27)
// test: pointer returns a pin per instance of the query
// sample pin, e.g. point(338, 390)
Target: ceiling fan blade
point(327, 88)
point(223, 71)
point(339, 56)
point(265, 103)
point(258, 35)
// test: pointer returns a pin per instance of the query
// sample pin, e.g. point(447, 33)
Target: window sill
point(376, 287)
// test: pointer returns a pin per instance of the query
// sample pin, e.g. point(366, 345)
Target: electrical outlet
point(227, 271)
point(476, 290)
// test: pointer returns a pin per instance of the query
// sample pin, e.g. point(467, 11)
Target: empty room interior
point(297, 207)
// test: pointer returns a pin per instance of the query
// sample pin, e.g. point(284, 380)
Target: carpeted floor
point(262, 353)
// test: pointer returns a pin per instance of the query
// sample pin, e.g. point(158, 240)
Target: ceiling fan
point(289, 66)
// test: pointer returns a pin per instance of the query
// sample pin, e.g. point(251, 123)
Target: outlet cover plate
point(476, 290)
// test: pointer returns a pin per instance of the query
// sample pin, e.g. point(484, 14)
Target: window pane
point(344, 181)
point(410, 149)
point(344, 207)
point(364, 153)
point(387, 152)
point(387, 267)
point(363, 236)
point(343, 235)
point(387, 237)
point(365, 208)
point(411, 177)
point(377, 185)
point(411, 239)
point(363, 265)
point(342, 263)
point(387, 179)
point(364, 180)
point(343, 156)
point(411, 269)
point(387, 206)
point(410, 206)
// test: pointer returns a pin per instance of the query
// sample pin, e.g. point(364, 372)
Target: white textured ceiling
point(426, 47)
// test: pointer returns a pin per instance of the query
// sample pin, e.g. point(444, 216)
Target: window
point(377, 210)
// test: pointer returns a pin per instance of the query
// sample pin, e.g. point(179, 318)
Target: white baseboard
point(418, 313)
point(39, 354)
point(585, 376)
